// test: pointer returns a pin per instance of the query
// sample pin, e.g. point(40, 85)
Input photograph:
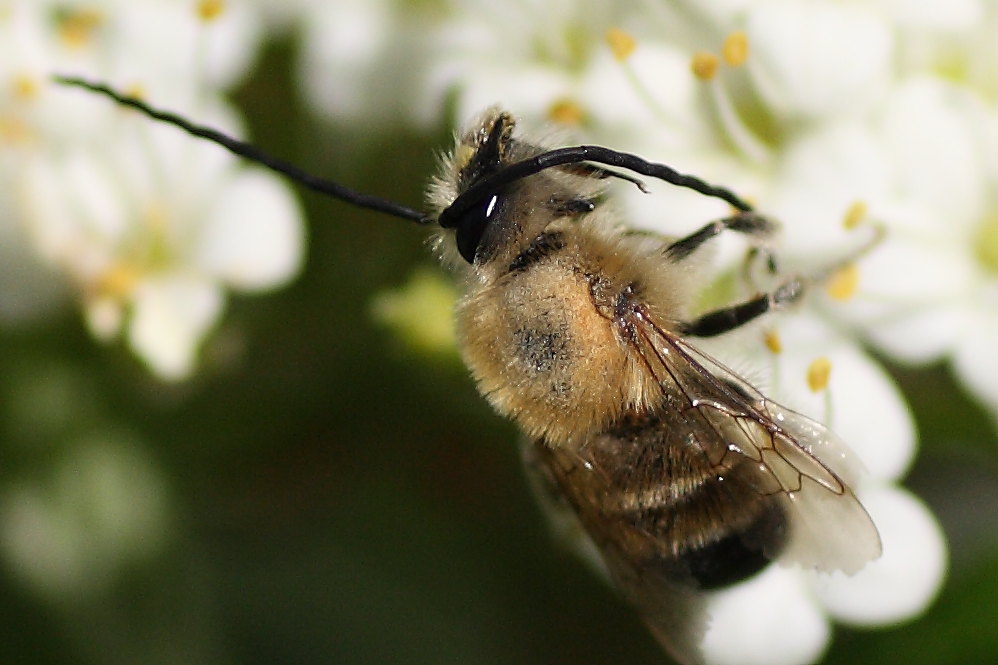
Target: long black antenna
point(573, 155)
point(475, 194)
point(321, 185)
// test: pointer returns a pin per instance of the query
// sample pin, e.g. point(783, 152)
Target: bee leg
point(728, 318)
point(749, 223)
point(571, 206)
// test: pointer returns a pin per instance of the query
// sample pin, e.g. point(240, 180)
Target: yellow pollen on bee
point(209, 10)
point(818, 373)
point(77, 27)
point(462, 155)
point(735, 49)
point(843, 283)
point(773, 341)
point(566, 112)
point(621, 43)
point(855, 214)
point(704, 65)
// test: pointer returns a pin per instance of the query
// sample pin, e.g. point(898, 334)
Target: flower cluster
point(845, 121)
point(145, 230)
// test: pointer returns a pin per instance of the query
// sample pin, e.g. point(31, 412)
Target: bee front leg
point(729, 318)
point(750, 223)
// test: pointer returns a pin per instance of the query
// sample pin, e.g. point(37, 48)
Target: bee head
point(481, 152)
point(496, 198)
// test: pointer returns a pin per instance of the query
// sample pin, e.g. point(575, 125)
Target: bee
point(684, 476)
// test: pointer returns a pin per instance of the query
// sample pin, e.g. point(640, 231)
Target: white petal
point(861, 404)
point(104, 318)
point(770, 619)
point(912, 301)
point(74, 212)
point(905, 579)
point(253, 236)
point(935, 14)
point(975, 358)
point(932, 133)
point(527, 91)
point(170, 315)
point(168, 39)
point(614, 103)
point(344, 48)
point(820, 175)
point(102, 509)
point(816, 60)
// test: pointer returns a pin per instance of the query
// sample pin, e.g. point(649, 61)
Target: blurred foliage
point(336, 498)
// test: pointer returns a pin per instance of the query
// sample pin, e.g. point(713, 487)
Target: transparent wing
point(675, 479)
point(798, 458)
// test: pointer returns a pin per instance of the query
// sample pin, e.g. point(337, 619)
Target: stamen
point(24, 87)
point(704, 65)
point(77, 27)
point(818, 373)
point(773, 341)
point(621, 43)
point(209, 10)
point(737, 131)
point(735, 49)
point(136, 90)
point(566, 112)
point(118, 281)
point(843, 283)
point(855, 214)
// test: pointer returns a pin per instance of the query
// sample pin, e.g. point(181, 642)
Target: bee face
point(496, 229)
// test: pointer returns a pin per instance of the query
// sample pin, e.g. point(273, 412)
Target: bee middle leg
point(749, 223)
point(729, 318)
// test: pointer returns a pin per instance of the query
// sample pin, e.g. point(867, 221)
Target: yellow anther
point(773, 341)
point(566, 112)
point(118, 281)
point(77, 27)
point(209, 10)
point(136, 90)
point(818, 373)
point(621, 43)
point(14, 131)
point(704, 65)
point(735, 49)
point(843, 283)
point(24, 86)
point(855, 214)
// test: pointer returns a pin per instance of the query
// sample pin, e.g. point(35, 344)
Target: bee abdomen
point(650, 489)
point(713, 530)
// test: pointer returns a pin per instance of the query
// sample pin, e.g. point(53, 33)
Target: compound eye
point(471, 226)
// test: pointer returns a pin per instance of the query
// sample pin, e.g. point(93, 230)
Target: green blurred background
point(334, 496)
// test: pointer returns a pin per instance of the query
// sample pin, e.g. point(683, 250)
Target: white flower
point(149, 225)
point(152, 227)
point(98, 510)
